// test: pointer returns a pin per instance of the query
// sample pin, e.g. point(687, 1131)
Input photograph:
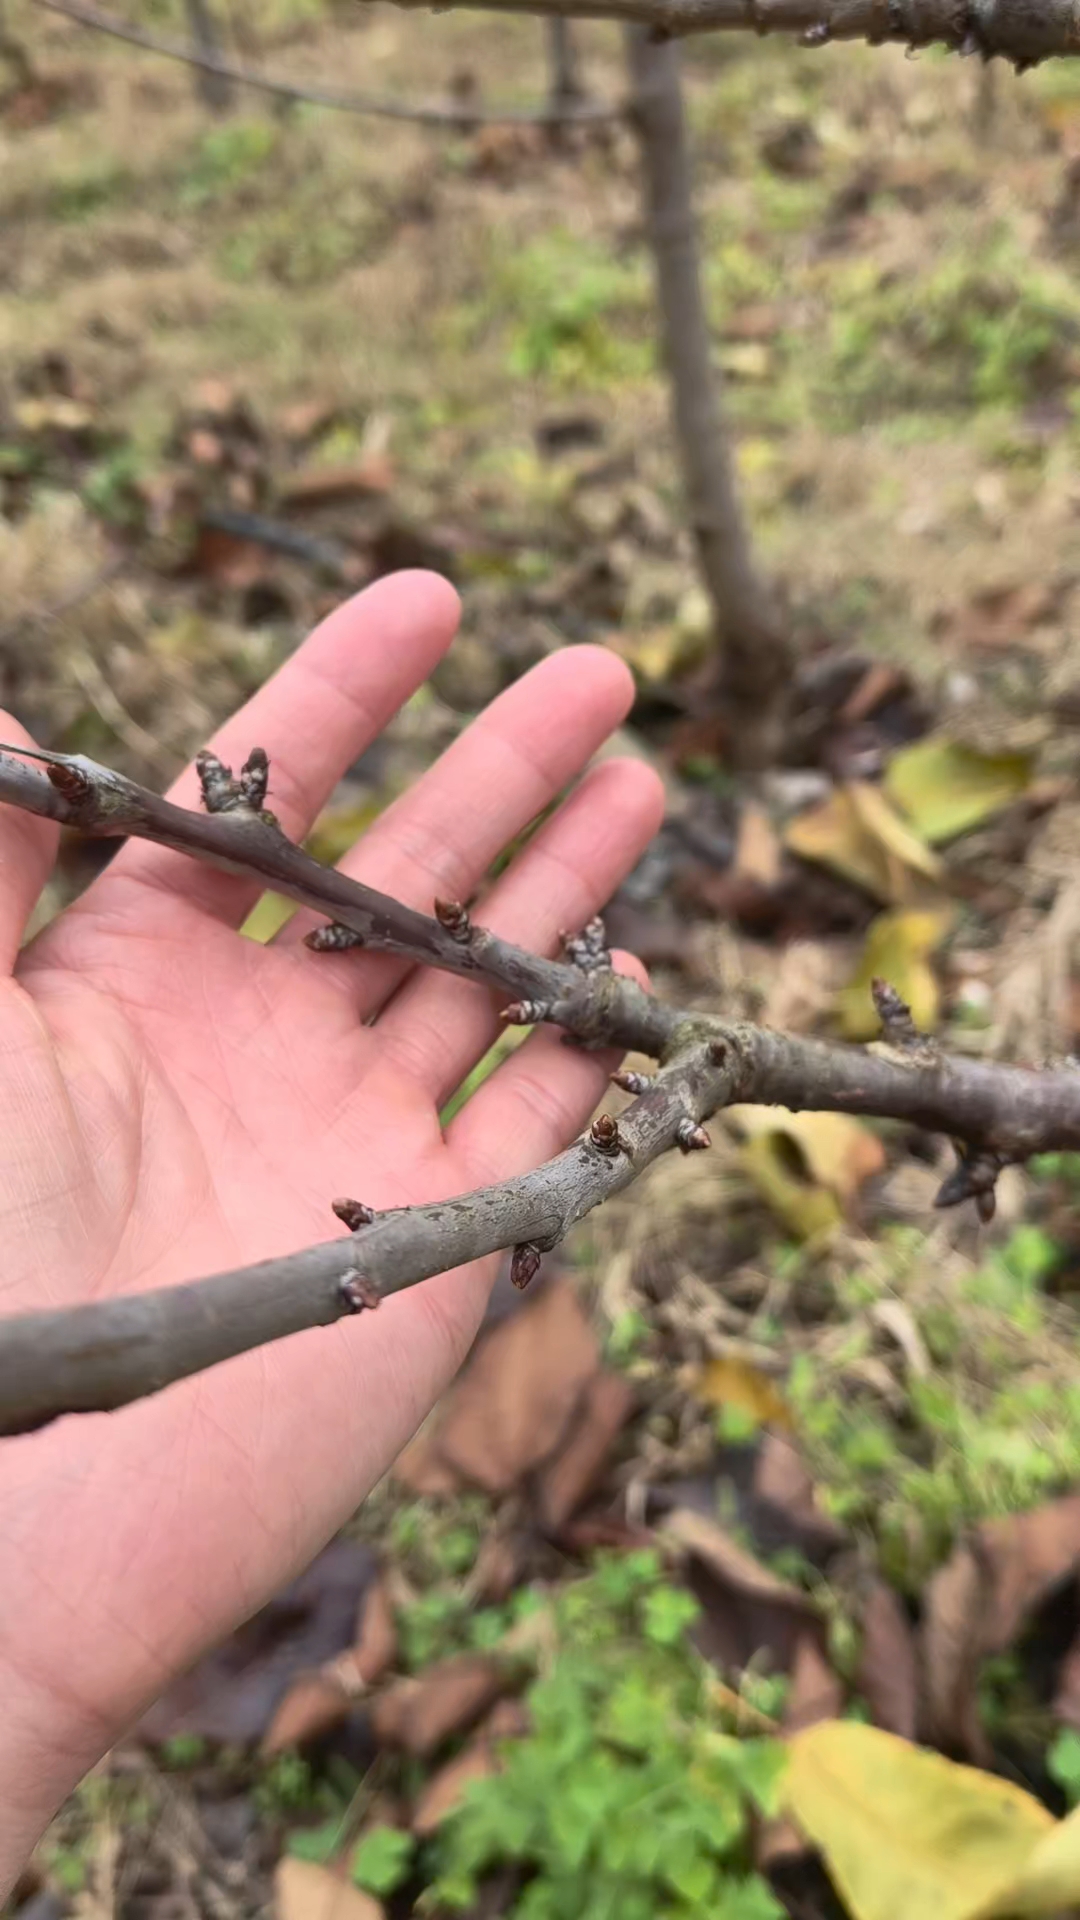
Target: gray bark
point(755, 659)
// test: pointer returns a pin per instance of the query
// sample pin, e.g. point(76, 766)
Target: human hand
point(178, 1100)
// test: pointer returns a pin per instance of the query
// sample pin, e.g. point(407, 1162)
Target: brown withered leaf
point(419, 1713)
point(518, 1395)
point(444, 1790)
point(305, 1891)
point(320, 486)
point(376, 1635)
point(815, 1693)
point(478, 1761)
point(978, 1602)
point(887, 1675)
point(232, 1694)
point(784, 1487)
point(314, 1705)
point(746, 1609)
point(1000, 616)
point(567, 1479)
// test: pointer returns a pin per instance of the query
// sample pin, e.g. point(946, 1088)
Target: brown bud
point(215, 781)
point(632, 1082)
point(333, 938)
point(455, 918)
point(690, 1137)
point(525, 1263)
point(897, 1025)
point(526, 1013)
point(254, 777)
point(354, 1213)
point(75, 785)
point(605, 1136)
point(359, 1294)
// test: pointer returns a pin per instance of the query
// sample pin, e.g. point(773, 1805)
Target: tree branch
point(100, 1356)
point(1023, 31)
point(93, 1358)
point(459, 115)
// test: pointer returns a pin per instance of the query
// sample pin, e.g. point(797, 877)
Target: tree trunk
point(213, 89)
point(565, 88)
point(755, 655)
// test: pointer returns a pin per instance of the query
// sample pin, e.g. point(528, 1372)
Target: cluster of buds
point(221, 793)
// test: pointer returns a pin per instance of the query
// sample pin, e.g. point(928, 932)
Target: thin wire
point(462, 117)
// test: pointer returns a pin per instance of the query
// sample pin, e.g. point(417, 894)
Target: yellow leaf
point(945, 788)
point(1049, 1881)
point(268, 916)
point(830, 1149)
point(833, 834)
point(806, 1166)
point(729, 1382)
point(879, 819)
point(338, 828)
point(857, 833)
point(897, 949)
point(906, 1834)
point(746, 359)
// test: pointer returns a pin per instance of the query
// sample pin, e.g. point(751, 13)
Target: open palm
point(177, 1099)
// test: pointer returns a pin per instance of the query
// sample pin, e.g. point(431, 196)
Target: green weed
point(628, 1798)
point(226, 158)
point(571, 309)
point(969, 332)
point(974, 1440)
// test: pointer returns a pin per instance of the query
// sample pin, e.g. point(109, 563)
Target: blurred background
point(771, 1444)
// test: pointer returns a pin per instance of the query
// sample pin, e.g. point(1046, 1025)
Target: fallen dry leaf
point(507, 1720)
point(232, 1695)
point(1000, 616)
point(314, 1705)
point(566, 1480)
point(514, 1403)
point(376, 1635)
point(814, 1694)
point(446, 1788)
point(887, 1675)
point(305, 1891)
point(746, 1610)
point(732, 1382)
point(897, 949)
point(786, 1501)
point(978, 1602)
point(318, 486)
point(905, 1832)
point(419, 1713)
point(807, 1166)
point(757, 848)
point(945, 788)
point(859, 835)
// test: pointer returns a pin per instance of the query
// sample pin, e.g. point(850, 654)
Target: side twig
point(100, 1356)
point(460, 116)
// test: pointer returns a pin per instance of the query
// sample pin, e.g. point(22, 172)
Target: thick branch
point(1023, 31)
point(93, 1358)
point(101, 1356)
point(438, 114)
